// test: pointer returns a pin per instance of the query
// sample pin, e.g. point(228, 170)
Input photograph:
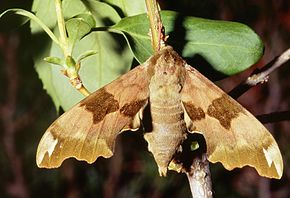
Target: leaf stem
point(156, 27)
point(32, 17)
point(61, 28)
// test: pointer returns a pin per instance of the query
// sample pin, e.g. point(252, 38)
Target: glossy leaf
point(229, 47)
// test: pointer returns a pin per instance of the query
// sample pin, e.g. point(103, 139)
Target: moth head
point(167, 66)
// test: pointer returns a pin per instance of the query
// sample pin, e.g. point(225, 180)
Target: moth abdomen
point(168, 132)
point(166, 114)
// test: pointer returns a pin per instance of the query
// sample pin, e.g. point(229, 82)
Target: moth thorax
point(165, 95)
point(164, 91)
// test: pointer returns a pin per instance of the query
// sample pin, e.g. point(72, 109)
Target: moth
point(181, 101)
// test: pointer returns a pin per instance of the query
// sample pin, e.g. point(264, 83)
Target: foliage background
point(26, 111)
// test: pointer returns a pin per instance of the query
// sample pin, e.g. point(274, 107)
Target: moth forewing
point(233, 136)
point(89, 129)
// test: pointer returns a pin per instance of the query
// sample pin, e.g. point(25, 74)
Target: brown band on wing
point(224, 110)
point(195, 113)
point(100, 104)
point(132, 108)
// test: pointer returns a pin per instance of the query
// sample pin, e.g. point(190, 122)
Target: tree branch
point(260, 76)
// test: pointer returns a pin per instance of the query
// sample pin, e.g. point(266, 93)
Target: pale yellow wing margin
point(89, 129)
point(233, 135)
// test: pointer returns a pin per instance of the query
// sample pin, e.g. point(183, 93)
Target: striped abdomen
point(169, 130)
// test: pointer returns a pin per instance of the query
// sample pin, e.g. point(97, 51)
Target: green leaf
point(85, 55)
point(88, 18)
point(112, 57)
point(77, 28)
point(43, 9)
point(102, 11)
point(55, 61)
point(129, 7)
point(229, 47)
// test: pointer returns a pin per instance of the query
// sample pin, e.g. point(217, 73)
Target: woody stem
point(156, 26)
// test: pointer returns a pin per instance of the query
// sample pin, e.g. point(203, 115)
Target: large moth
point(181, 101)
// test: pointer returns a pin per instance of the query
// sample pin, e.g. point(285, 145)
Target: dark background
point(26, 111)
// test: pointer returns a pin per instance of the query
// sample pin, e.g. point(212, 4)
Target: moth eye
point(165, 73)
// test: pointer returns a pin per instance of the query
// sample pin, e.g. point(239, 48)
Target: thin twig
point(71, 68)
point(199, 178)
point(260, 76)
point(274, 117)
